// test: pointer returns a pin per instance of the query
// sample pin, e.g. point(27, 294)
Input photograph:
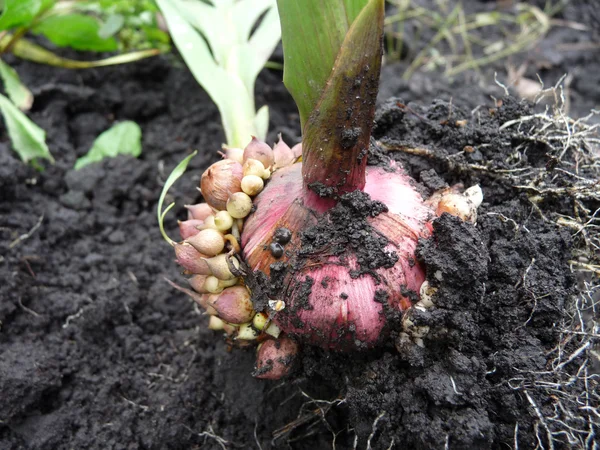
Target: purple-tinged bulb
point(329, 302)
point(199, 211)
point(260, 151)
point(284, 156)
point(275, 358)
point(191, 259)
point(233, 305)
point(198, 282)
point(188, 228)
point(201, 299)
point(234, 153)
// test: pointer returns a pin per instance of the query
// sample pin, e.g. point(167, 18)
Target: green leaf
point(77, 31)
point(124, 138)
point(215, 42)
point(313, 32)
point(173, 177)
point(28, 140)
point(17, 91)
point(111, 26)
point(26, 49)
point(338, 129)
point(17, 13)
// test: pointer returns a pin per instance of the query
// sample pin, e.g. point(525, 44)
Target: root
point(566, 398)
point(27, 235)
point(209, 433)
point(312, 413)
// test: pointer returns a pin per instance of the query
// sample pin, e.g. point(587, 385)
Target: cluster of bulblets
point(210, 250)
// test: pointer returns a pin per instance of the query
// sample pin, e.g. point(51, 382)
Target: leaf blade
point(28, 139)
point(76, 31)
point(226, 88)
point(111, 26)
point(19, 13)
point(125, 138)
point(177, 172)
point(255, 53)
point(16, 90)
point(313, 32)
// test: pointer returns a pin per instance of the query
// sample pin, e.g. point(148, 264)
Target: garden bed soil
point(98, 351)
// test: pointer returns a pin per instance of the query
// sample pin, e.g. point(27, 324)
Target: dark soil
point(98, 351)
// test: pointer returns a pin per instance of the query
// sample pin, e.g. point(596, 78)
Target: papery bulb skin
point(260, 151)
point(220, 181)
point(219, 266)
point(191, 259)
point(284, 156)
point(188, 228)
point(208, 242)
point(297, 150)
point(234, 153)
point(275, 358)
point(332, 299)
point(233, 305)
point(198, 283)
point(199, 211)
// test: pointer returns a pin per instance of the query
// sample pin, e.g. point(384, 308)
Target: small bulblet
point(220, 181)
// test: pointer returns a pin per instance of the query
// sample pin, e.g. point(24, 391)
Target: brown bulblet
point(219, 181)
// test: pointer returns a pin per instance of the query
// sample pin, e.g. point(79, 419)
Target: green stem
point(337, 132)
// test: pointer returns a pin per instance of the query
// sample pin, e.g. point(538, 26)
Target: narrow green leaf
point(313, 32)
point(337, 132)
point(26, 49)
point(254, 54)
point(247, 12)
point(17, 91)
point(27, 139)
point(77, 31)
point(261, 121)
point(353, 9)
point(173, 177)
point(224, 85)
point(17, 13)
point(124, 138)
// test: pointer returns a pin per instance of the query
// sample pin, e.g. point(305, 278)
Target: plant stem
point(338, 131)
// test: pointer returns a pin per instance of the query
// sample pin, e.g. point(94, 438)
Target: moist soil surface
point(98, 351)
